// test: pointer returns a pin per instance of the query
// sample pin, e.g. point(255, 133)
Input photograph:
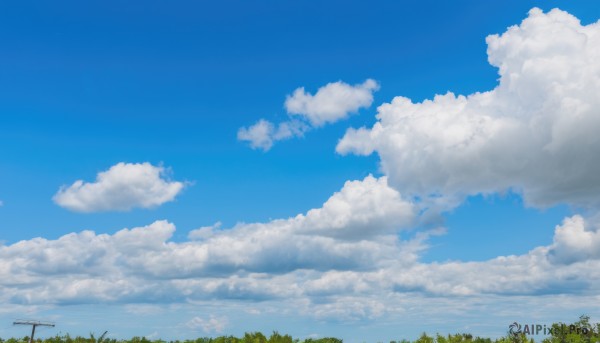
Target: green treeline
point(582, 331)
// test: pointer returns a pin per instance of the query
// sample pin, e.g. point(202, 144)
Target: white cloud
point(343, 259)
point(354, 229)
point(536, 132)
point(332, 102)
point(263, 134)
point(144, 309)
point(362, 209)
point(210, 325)
point(260, 135)
point(575, 241)
point(571, 265)
point(121, 188)
point(204, 232)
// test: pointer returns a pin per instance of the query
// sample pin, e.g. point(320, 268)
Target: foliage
point(582, 331)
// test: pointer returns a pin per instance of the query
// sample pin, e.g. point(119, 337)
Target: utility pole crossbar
point(34, 324)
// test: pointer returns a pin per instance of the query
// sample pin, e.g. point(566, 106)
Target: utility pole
point(33, 324)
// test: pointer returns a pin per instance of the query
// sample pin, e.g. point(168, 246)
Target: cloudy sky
point(365, 170)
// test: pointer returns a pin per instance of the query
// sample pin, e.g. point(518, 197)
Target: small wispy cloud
point(331, 103)
point(213, 324)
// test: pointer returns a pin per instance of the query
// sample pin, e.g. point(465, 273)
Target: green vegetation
point(582, 331)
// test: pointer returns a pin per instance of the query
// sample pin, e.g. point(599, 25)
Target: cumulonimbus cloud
point(120, 188)
point(535, 133)
point(333, 102)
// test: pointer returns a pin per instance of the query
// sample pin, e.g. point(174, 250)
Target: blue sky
point(164, 90)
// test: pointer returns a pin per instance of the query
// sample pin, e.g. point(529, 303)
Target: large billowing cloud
point(575, 241)
point(333, 102)
point(344, 257)
point(120, 188)
point(355, 229)
point(535, 133)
